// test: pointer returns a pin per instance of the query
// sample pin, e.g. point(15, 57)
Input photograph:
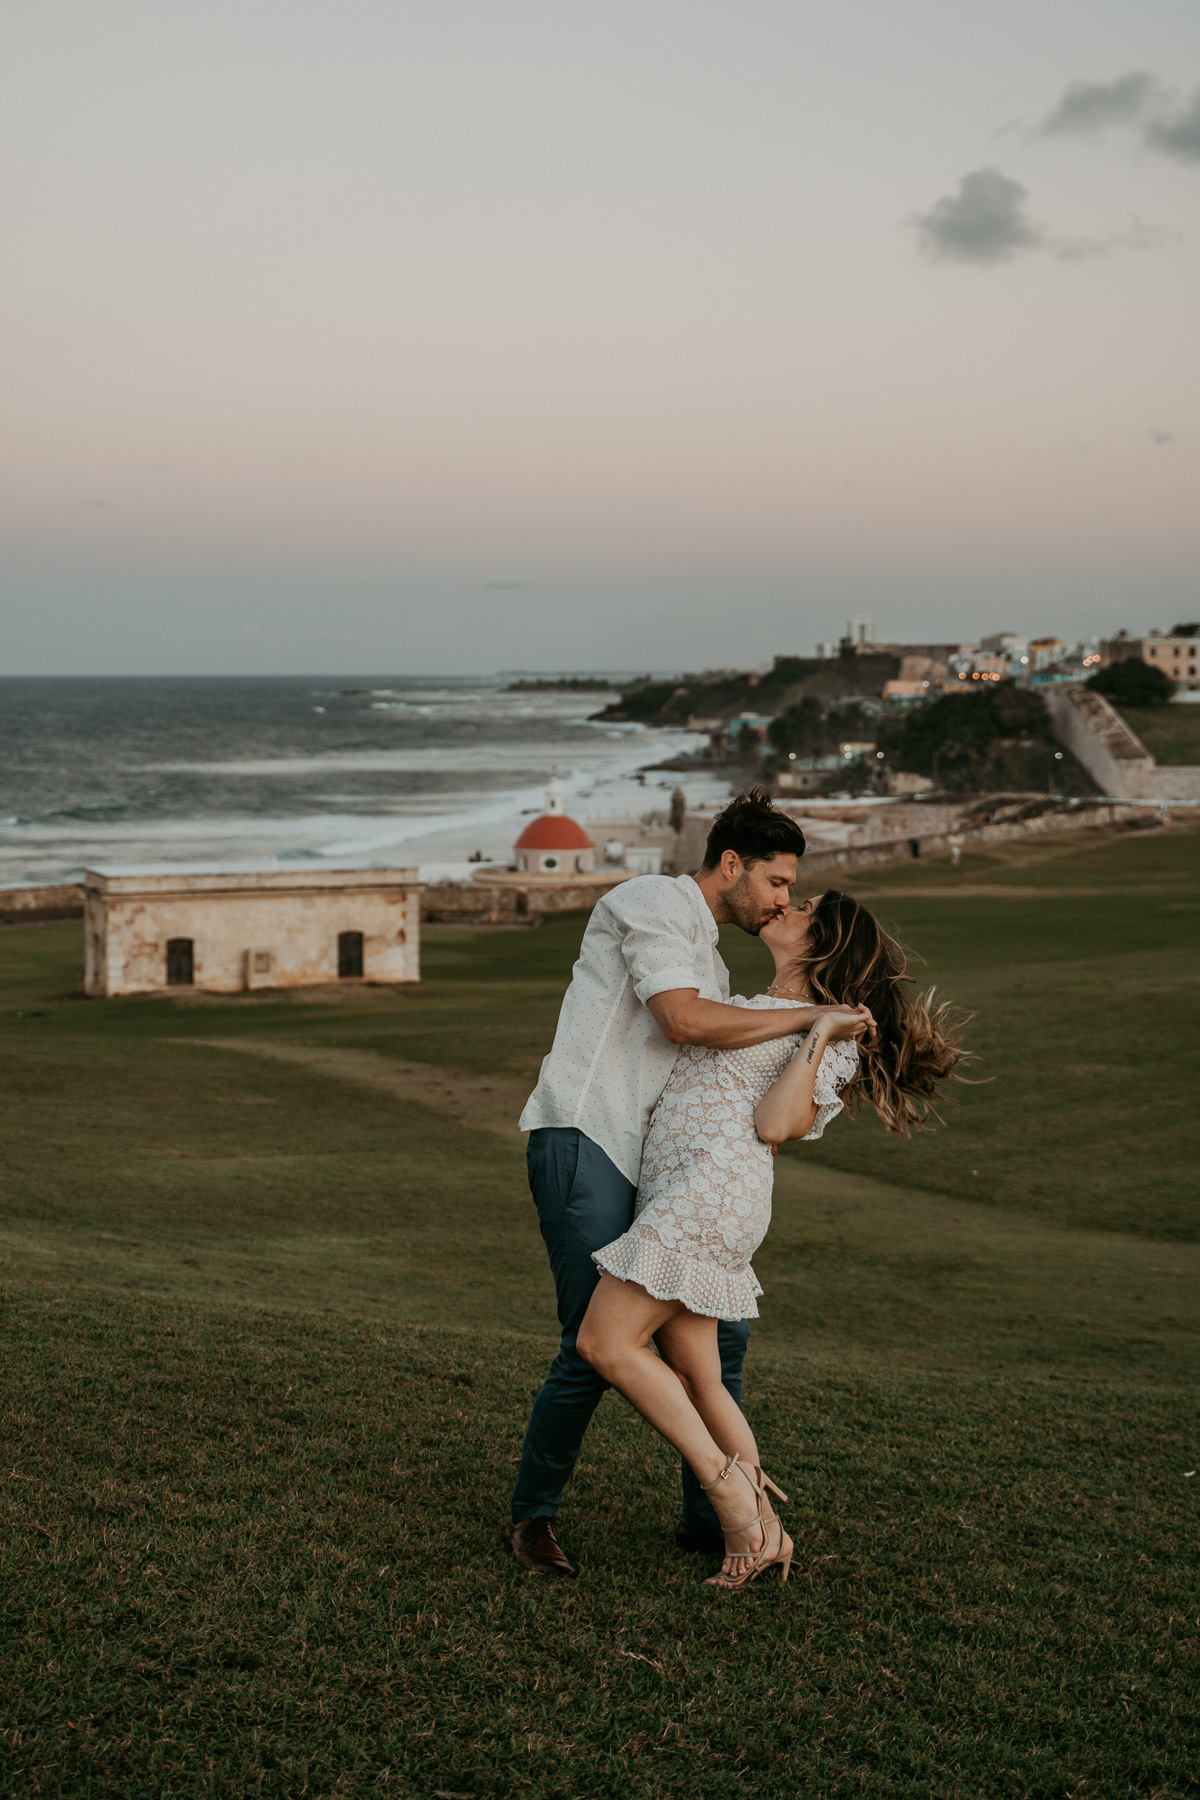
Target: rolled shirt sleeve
point(659, 943)
point(609, 1061)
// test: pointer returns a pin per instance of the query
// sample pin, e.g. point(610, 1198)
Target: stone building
point(1177, 657)
point(148, 930)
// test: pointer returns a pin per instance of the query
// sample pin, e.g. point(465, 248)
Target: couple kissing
point(652, 1132)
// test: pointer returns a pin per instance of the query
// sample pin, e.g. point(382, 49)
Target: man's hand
point(683, 1018)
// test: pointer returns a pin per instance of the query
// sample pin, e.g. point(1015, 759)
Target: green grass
point(271, 1337)
point(254, 1554)
point(1170, 733)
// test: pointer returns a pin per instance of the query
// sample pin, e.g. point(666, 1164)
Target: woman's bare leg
point(615, 1338)
point(688, 1344)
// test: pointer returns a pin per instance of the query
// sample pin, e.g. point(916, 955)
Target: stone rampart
point(1089, 815)
point(39, 905)
point(1111, 751)
point(511, 901)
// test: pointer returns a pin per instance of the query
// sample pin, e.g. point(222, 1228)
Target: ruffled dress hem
point(704, 1287)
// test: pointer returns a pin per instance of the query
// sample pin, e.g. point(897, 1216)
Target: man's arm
point(684, 1018)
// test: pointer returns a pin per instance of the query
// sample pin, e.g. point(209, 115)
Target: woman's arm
point(787, 1109)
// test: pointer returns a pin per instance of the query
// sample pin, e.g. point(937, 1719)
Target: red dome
point(553, 831)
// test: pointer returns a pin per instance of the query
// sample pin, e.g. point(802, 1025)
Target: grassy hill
point(275, 1306)
point(1170, 733)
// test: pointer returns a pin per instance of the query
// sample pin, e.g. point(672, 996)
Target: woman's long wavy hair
point(851, 958)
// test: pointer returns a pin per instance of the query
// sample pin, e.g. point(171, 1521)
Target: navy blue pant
point(584, 1202)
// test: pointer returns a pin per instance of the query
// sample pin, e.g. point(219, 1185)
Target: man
point(649, 978)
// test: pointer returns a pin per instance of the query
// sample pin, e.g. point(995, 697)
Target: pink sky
point(318, 320)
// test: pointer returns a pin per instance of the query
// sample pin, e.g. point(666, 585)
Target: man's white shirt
point(610, 1062)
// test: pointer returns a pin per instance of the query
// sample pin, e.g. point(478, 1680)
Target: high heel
point(780, 1551)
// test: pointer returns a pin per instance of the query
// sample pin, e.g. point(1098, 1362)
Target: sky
point(382, 337)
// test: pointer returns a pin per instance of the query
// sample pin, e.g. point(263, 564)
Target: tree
point(801, 729)
point(807, 729)
point(1133, 683)
point(1190, 630)
point(991, 736)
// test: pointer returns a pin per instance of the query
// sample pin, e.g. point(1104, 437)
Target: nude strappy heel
point(772, 1550)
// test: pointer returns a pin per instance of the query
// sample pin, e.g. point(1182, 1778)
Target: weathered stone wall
point(38, 905)
point(268, 931)
point(900, 831)
point(1098, 737)
point(1089, 816)
point(1110, 750)
point(1177, 782)
point(870, 824)
point(510, 902)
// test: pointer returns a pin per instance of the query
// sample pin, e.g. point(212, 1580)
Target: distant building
point(1177, 657)
point(794, 780)
point(553, 867)
point(902, 782)
point(904, 693)
point(757, 723)
point(1005, 643)
point(1045, 652)
point(150, 930)
point(553, 844)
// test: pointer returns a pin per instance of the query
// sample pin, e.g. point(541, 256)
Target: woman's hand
point(841, 1024)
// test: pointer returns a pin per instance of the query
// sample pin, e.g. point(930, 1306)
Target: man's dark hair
point(755, 829)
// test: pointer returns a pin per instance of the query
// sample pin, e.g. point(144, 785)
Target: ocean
point(391, 770)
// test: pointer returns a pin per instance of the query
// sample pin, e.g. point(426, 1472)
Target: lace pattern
point(704, 1200)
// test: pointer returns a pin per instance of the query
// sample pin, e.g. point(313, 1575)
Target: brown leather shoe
point(534, 1545)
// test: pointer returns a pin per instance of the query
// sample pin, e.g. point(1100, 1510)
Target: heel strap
point(731, 1463)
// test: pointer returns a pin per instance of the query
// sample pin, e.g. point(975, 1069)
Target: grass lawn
point(1170, 733)
point(275, 1306)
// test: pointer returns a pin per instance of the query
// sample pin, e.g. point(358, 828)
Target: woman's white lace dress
point(704, 1200)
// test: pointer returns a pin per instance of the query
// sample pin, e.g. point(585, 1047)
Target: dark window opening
point(350, 955)
point(179, 962)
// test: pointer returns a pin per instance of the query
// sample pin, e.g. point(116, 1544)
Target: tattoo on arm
point(813, 1046)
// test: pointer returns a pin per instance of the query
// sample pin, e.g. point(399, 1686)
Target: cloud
point(1095, 105)
point(1177, 134)
point(1161, 437)
point(1138, 101)
point(986, 221)
point(983, 222)
point(507, 584)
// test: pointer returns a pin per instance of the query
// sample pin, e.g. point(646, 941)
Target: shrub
point(1133, 683)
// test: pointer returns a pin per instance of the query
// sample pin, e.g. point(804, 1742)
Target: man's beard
point(744, 911)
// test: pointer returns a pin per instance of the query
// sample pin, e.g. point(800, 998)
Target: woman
point(704, 1198)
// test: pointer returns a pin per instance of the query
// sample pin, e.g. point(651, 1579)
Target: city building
point(756, 723)
point(152, 929)
point(906, 692)
point(1177, 657)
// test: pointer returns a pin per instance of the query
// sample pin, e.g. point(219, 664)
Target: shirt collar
point(692, 889)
